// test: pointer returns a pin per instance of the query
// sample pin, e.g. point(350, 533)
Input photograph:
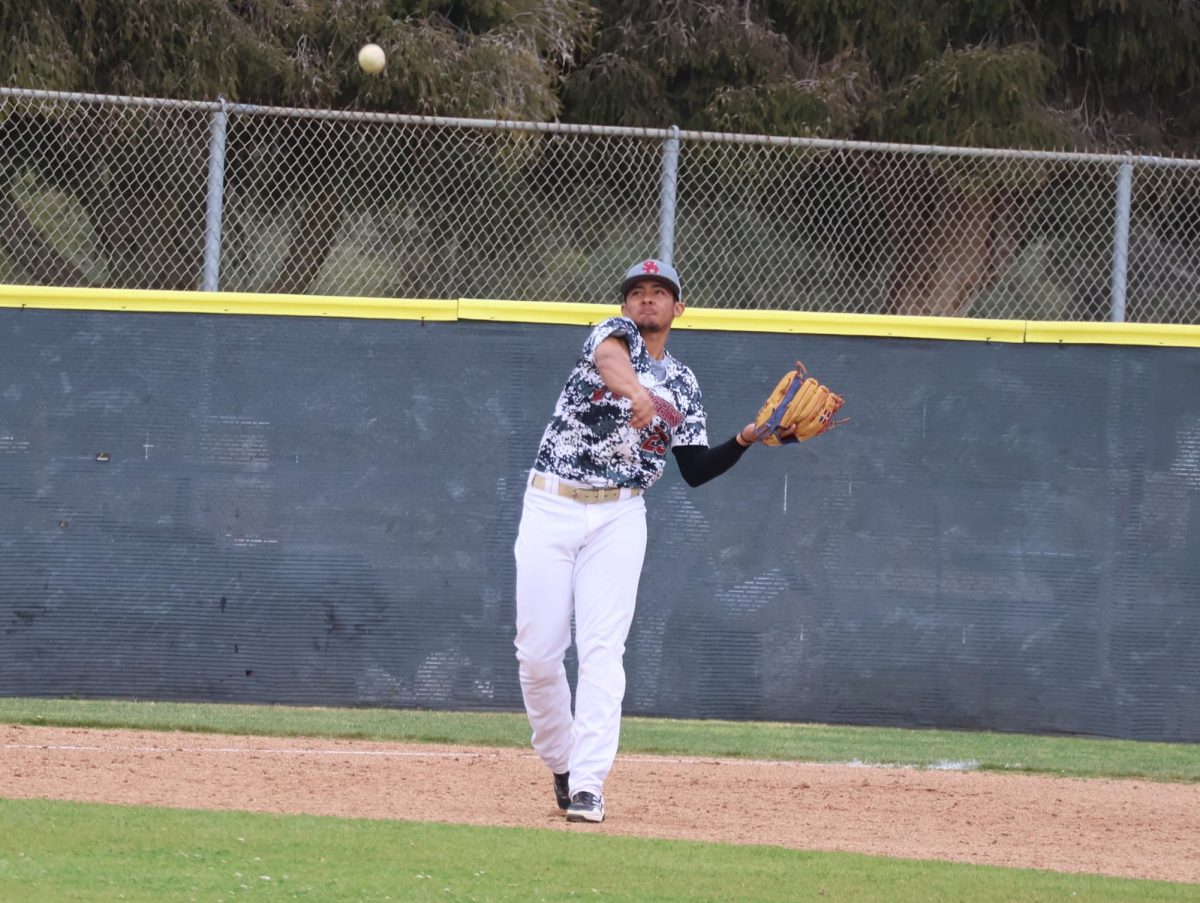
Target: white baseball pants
point(586, 559)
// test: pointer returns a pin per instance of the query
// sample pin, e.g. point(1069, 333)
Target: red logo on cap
point(650, 267)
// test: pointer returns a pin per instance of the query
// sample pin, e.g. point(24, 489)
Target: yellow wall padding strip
point(853, 324)
point(570, 313)
point(581, 314)
point(1113, 334)
point(563, 313)
point(150, 301)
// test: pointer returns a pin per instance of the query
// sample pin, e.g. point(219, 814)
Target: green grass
point(1064, 756)
point(76, 851)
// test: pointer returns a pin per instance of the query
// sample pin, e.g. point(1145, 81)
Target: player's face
point(651, 305)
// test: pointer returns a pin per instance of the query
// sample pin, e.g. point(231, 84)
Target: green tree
point(472, 57)
point(1097, 73)
point(709, 64)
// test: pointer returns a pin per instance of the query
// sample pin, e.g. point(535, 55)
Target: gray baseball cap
point(656, 270)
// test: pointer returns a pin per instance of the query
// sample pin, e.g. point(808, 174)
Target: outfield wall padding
point(310, 510)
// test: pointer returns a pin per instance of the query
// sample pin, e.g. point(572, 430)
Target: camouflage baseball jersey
point(589, 438)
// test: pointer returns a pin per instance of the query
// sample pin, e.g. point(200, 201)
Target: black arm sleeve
point(699, 464)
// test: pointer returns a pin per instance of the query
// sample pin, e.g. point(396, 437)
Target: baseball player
point(582, 536)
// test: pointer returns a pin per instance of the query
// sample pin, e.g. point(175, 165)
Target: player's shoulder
point(617, 324)
point(622, 327)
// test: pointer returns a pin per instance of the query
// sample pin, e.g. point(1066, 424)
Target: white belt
point(582, 494)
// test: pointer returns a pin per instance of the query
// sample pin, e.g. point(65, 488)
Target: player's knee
point(603, 664)
point(535, 669)
point(601, 655)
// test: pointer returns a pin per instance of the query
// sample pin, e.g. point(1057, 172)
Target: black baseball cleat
point(562, 791)
point(586, 806)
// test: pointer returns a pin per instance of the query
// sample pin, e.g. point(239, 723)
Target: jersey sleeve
point(614, 326)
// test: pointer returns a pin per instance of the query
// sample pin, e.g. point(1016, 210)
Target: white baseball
point(371, 58)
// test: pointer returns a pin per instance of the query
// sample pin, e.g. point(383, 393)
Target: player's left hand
point(799, 409)
point(749, 433)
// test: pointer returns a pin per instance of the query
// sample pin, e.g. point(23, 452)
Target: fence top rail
point(822, 144)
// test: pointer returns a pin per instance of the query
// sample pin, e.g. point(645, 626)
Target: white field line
point(968, 765)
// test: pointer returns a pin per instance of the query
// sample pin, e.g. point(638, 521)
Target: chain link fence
point(142, 193)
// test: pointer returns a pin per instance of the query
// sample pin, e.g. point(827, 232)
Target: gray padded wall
point(322, 511)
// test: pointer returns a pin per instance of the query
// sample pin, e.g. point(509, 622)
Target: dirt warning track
point(1127, 828)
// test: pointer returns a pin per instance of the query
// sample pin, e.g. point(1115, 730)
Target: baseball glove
point(798, 401)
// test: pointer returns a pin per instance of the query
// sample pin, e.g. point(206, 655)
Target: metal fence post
point(211, 275)
point(666, 212)
point(1120, 261)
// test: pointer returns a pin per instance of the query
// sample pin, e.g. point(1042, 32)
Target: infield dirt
point(1126, 828)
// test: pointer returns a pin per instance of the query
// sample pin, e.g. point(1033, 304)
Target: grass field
point(73, 851)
